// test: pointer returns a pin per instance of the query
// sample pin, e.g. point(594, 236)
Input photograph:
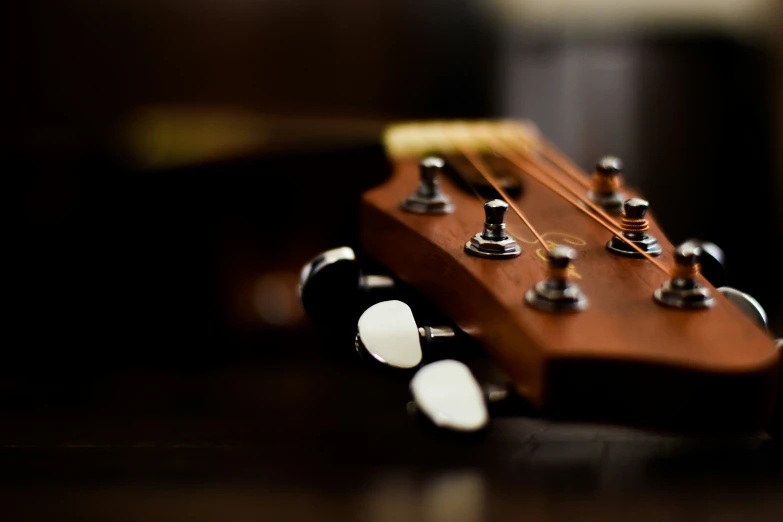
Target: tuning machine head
point(333, 277)
point(556, 293)
point(712, 262)
point(493, 242)
point(449, 396)
point(445, 391)
point(429, 198)
point(606, 184)
point(388, 333)
point(683, 291)
point(634, 227)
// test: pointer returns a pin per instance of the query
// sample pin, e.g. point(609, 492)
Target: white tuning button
point(746, 304)
point(448, 394)
point(388, 332)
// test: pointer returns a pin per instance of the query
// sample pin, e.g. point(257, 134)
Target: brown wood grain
point(625, 359)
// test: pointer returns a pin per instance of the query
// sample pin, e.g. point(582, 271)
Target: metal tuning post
point(493, 242)
point(557, 293)
point(606, 183)
point(428, 198)
point(634, 228)
point(333, 276)
point(388, 332)
point(712, 262)
point(683, 290)
point(447, 393)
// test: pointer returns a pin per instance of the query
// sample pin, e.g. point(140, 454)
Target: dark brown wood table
point(301, 435)
point(144, 379)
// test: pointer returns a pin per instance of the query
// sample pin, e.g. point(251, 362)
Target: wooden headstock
point(625, 358)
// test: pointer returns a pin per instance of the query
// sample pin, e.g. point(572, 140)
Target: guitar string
point(555, 175)
point(531, 170)
point(549, 168)
point(482, 168)
point(557, 158)
point(554, 156)
point(472, 185)
point(548, 171)
point(527, 167)
point(438, 151)
point(516, 236)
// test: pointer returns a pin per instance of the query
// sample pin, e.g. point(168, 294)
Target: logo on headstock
point(565, 238)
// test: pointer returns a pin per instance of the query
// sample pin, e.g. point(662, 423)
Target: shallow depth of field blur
point(103, 101)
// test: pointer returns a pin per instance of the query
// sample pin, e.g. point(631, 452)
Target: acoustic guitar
point(563, 277)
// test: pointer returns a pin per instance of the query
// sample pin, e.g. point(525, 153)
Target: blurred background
point(152, 149)
point(153, 139)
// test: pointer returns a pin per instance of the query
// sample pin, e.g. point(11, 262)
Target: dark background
point(156, 360)
point(98, 91)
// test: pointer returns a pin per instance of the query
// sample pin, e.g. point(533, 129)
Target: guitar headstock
point(592, 313)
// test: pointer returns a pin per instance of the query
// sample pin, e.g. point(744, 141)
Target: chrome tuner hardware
point(556, 293)
point(746, 304)
point(682, 290)
point(447, 393)
point(325, 280)
point(428, 198)
point(634, 228)
point(606, 183)
point(493, 242)
point(388, 332)
point(712, 262)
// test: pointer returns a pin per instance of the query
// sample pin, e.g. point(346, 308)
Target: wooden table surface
point(137, 386)
point(302, 431)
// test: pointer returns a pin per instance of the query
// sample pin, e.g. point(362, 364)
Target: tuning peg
point(332, 278)
point(448, 395)
point(606, 184)
point(634, 228)
point(493, 242)
point(556, 292)
point(683, 290)
point(428, 198)
point(746, 304)
point(712, 261)
point(388, 332)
